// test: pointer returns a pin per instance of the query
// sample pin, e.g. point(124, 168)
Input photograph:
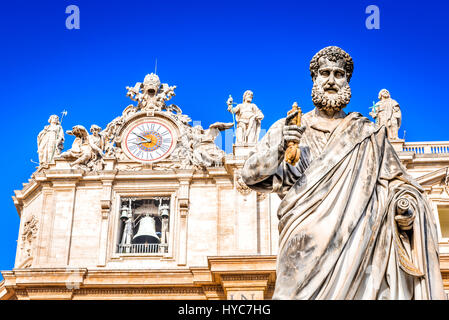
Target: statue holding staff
point(248, 117)
point(50, 141)
point(387, 113)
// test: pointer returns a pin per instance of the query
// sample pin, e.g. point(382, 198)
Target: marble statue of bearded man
point(388, 113)
point(353, 224)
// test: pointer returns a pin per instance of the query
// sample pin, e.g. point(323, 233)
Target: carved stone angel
point(87, 150)
point(205, 152)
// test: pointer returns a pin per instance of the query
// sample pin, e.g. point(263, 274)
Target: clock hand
point(139, 136)
point(149, 141)
point(137, 143)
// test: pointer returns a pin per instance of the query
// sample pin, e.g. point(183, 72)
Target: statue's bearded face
point(384, 94)
point(331, 90)
point(53, 119)
point(248, 97)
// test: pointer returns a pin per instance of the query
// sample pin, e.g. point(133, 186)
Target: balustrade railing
point(439, 147)
point(141, 248)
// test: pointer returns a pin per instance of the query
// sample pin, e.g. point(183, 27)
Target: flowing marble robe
point(50, 143)
point(338, 236)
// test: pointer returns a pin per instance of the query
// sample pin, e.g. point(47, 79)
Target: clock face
point(149, 140)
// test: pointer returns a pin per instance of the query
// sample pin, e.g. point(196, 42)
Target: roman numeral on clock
point(164, 148)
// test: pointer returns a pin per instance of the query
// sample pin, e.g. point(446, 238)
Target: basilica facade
point(151, 208)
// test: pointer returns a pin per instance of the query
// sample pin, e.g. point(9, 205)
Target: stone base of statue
point(398, 144)
point(243, 149)
point(61, 163)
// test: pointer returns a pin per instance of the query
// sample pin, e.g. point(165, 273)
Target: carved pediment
point(439, 176)
point(436, 182)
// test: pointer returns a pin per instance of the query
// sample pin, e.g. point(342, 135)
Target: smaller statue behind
point(248, 117)
point(97, 143)
point(205, 152)
point(86, 149)
point(196, 147)
point(387, 113)
point(50, 141)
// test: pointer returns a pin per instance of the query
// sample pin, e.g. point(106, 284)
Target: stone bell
point(147, 231)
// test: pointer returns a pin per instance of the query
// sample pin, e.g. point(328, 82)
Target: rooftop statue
point(196, 147)
point(50, 141)
point(248, 117)
point(387, 113)
point(151, 94)
point(87, 150)
point(205, 152)
point(353, 224)
point(97, 143)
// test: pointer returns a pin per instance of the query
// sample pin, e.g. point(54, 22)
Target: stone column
point(45, 227)
point(183, 203)
point(105, 214)
point(247, 237)
point(247, 224)
point(64, 186)
point(225, 217)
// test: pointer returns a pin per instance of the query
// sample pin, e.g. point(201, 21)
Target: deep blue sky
point(209, 50)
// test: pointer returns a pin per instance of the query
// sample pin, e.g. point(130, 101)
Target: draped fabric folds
point(338, 235)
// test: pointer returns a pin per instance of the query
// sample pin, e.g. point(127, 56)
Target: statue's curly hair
point(332, 53)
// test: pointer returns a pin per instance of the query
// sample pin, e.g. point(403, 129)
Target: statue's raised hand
point(229, 102)
point(292, 132)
